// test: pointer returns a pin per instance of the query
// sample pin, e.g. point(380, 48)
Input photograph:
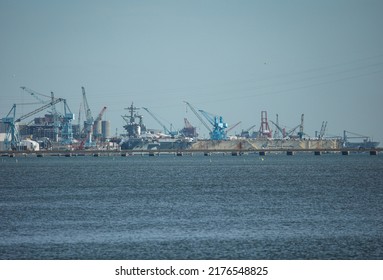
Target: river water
point(192, 207)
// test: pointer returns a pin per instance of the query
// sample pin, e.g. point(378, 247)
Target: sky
point(232, 58)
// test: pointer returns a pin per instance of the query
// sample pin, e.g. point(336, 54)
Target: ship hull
point(362, 145)
point(236, 144)
point(155, 144)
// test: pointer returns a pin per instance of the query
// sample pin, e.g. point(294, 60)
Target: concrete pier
point(205, 152)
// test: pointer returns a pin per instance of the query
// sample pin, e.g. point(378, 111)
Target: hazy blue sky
point(233, 58)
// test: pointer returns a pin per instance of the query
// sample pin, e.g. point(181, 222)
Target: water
point(192, 207)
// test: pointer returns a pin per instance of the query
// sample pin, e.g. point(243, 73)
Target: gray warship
point(138, 137)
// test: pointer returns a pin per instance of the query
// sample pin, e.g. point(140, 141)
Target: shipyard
point(59, 131)
point(221, 136)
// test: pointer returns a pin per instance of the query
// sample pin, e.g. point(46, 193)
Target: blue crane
point(67, 132)
point(66, 119)
point(12, 137)
point(218, 132)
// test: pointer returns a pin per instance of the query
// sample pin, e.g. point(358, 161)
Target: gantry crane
point(264, 129)
point(12, 138)
point(166, 130)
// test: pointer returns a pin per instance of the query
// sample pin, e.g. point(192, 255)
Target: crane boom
point(99, 117)
point(279, 129)
point(57, 100)
point(207, 116)
point(250, 128)
point(198, 116)
point(35, 94)
point(79, 117)
point(88, 112)
point(323, 129)
point(234, 126)
point(166, 130)
point(355, 135)
point(97, 130)
point(157, 120)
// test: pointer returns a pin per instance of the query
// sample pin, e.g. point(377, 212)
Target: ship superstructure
point(135, 130)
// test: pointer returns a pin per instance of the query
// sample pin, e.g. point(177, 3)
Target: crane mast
point(11, 140)
point(276, 132)
point(79, 118)
point(88, 124)
point(67, 132)
point(88, 112)
point(301, 133)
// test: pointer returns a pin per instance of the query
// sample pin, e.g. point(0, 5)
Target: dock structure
point(206, 152)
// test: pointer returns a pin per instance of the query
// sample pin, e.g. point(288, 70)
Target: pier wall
point(258, 144)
